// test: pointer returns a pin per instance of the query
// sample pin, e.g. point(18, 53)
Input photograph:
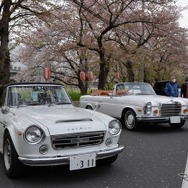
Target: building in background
point(15, 68)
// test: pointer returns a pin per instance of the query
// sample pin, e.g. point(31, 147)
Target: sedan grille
point(77, 140)
point(173, 109)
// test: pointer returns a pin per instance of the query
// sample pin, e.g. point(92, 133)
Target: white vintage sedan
point(39, 126)
point(135, 102)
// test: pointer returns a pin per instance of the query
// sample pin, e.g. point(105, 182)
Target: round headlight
point(114, 127)
point(33, 134)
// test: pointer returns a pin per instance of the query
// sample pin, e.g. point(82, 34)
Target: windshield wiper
point(143, 94)
point(33, 104)
point(59, 103)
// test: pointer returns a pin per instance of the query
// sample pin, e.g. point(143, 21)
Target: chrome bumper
point(61, 160)
point(158, 119)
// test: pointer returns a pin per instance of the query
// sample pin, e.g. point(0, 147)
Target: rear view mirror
point(5, 110)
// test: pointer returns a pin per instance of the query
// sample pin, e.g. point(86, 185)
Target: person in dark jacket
point(171, 88)
point(184, 89)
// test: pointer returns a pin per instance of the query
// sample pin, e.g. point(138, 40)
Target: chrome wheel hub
point(7, 154)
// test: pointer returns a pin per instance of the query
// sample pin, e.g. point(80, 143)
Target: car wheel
point(108, 161)
point(178, 125)
point(129, 119)
point(89, 108)
point(11, 163)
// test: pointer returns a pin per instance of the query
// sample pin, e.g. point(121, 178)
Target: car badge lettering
point(78, 128)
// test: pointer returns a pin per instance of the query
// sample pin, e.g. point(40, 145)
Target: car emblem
point(79, 140)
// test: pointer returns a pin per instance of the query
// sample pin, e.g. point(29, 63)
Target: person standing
point(184, 89)
point(171, 88)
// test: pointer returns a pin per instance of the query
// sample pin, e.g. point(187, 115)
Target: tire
point(10, 158)
point(108, 161)
point(89, 108)
point(177, 125)
point(129, 120)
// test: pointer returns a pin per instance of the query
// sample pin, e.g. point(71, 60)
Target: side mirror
point(5, 110)
point(96, 106)
point(110, 94)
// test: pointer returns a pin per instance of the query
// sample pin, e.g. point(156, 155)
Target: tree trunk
point(103, 74)
point(104, 69)
point(83, 87)
point(4, 51)
point(130, 72)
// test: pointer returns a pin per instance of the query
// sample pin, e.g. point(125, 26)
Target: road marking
point(185, 176)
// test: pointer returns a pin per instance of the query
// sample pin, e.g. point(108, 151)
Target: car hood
point(154, 99)
point(61, 120)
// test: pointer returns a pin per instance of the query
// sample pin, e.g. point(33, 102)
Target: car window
point(136, 88)
point(37, 95)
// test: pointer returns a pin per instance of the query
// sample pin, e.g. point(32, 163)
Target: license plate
point(175, 119)
point(82, 161)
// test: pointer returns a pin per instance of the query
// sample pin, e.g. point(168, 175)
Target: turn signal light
point(43, 149)
point(185, 110)
point(109, 141)
point(156, 112)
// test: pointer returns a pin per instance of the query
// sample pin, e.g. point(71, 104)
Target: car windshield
point(135, 89)
point(24, 95)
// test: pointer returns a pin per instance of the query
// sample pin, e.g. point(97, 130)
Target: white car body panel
point(55, 121)
point(114, 105)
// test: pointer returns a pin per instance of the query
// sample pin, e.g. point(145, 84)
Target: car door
point(108, 105)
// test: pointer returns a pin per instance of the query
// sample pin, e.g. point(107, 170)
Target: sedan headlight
point(114, 127)
point(34, 134)
point(148, 108)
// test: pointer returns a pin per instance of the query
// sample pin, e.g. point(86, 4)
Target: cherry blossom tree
point(16, 14)
point(104, 36)
point(134, 22)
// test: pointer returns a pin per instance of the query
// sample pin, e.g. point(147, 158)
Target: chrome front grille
point(173, 109)
point(77, 140)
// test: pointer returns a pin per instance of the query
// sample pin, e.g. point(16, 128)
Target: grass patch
point(74, 94)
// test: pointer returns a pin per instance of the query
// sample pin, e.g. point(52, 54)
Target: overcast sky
point(184, 20)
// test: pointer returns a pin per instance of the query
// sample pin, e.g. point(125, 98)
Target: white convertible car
point(39, 126)
point(134, 102)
